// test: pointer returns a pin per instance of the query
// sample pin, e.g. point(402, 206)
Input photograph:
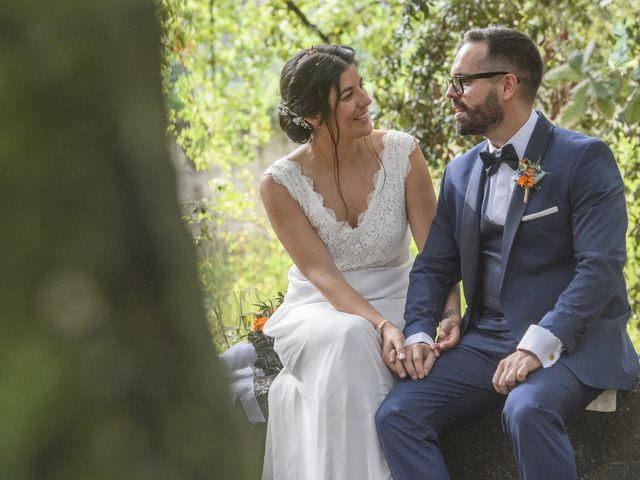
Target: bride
point(340, 204)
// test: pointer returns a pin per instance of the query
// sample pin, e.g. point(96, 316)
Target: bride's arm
point(421, 208)
point(311, 256)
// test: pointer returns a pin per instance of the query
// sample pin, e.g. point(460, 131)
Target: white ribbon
point(241, 355)
point(239, 361)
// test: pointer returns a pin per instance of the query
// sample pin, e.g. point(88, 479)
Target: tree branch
point(357, 11)
point(305, 21)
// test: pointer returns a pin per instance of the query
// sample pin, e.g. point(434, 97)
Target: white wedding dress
point(323, 403)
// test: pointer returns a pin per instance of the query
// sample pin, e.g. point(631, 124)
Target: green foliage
point(603, 83)
point(222, 63)
point(223, 59)
point(628, 152)
point(412, 77)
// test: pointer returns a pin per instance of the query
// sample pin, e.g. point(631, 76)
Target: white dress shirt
point(537, 340)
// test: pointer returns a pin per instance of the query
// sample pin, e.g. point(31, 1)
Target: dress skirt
point(322, 405)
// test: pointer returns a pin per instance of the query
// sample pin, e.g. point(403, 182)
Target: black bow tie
point(492, 162)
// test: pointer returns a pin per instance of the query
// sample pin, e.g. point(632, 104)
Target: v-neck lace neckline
point(380, 238)
point(363, 214)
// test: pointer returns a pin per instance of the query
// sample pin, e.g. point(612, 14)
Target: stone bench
point(607, 445)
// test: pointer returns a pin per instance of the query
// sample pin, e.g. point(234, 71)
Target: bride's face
point(352, 110)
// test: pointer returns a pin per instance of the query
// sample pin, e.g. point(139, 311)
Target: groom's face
point(477, 110)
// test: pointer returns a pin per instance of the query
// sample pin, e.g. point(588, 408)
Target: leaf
point(561, 74)
point(606, 106)
point(602, 89)
point(575, 60)
point(632, 112)
point(574, 109)
point(620, 53)
point(539, 176)
point(587, 54)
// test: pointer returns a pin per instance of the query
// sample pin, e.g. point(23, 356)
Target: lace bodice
point(381, 235)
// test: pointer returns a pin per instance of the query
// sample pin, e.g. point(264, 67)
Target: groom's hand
point(449, 335)
point(513, 370)
point(419, 361)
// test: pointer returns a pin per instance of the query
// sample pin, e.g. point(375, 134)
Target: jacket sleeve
point(435, 270)
point(599, 225)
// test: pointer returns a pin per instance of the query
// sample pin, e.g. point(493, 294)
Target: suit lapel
point(470, 230)
point(536, 149)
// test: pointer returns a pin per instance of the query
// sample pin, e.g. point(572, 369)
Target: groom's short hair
point(511, 49)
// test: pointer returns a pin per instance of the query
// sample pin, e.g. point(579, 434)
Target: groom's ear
point(509, 86)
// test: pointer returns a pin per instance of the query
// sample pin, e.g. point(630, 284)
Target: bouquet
point(266, 357)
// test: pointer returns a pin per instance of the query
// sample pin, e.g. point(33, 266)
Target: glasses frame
point(472, 76)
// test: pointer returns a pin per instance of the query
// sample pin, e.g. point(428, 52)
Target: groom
point(541, 262)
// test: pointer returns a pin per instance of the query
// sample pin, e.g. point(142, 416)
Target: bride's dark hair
point(305, 84)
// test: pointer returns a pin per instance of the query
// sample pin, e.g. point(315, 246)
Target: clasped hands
point(417, 360)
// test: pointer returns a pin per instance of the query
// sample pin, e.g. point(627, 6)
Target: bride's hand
point(393, 352)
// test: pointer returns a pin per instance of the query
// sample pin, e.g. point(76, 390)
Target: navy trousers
point(458, 388)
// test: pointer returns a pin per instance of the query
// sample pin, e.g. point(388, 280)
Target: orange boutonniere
point(528, 175)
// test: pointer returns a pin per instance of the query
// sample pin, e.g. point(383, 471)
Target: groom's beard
point(479, 120)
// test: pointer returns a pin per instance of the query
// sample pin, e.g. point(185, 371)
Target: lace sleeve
point(283, 176)
point(403, 145)
point(412, 148)
point(287, 174)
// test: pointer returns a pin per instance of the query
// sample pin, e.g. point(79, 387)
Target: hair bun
point(296, 127)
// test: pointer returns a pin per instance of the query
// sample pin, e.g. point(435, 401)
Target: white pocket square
point(541, 213)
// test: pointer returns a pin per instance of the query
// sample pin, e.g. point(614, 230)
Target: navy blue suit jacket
point(562, 271)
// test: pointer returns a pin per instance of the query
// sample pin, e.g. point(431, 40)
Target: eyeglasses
point(457, 81)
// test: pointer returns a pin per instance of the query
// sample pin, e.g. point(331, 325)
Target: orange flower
point(527, 176)
point(258, 324)
point(525, 181)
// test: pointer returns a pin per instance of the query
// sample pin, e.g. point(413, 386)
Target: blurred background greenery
point(106, 365)
point(222, 61)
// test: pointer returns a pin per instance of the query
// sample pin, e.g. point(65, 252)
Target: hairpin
point(297, 119)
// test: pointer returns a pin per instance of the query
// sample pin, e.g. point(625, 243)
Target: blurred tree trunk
point(106, 365)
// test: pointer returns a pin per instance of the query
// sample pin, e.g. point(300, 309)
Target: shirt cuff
point(417, 338)
point(542, 343)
